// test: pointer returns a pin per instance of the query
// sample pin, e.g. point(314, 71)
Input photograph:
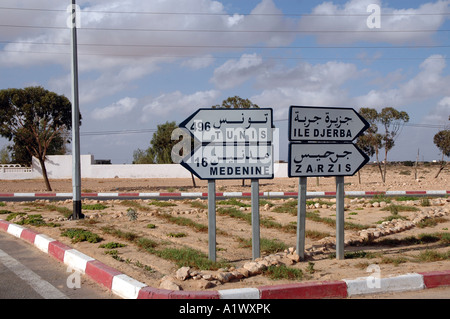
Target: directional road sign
point(230, 125)
point(325, 159)
point(231, 144)
point(325, 124)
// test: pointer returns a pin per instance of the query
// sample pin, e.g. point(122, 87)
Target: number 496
point(201, 126)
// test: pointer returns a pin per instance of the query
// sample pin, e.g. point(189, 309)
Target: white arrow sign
point(234, 144)
point(230, 125)
point(241, 161)
point(325, 124)
point(325, 159)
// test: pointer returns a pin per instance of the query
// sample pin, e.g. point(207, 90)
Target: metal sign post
point(321, 145)
point(76, 166)
point(212, 219)
point(255, 220)
point(340, 217)
point(231, 144)
point(301, 217)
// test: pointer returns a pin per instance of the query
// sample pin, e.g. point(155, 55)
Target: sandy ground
point(398, 178)
point(232, 232)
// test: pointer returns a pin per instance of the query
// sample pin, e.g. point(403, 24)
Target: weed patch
point(78, 235)
point(129, 236)
point(188, 257)
point(97, 206)
point(268, 246)
point(432, 255)
point(289, 207)
point(394, 260)
point(197, 204)
point(395, 209)
point(162, 203)
point(431, 222)
point(183, 221)
point(146, 244)
point(283, 272)
point(233, 202)
point(177, 235)
point(112, 245)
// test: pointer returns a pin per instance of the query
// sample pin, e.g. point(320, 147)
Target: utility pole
point(76, 166)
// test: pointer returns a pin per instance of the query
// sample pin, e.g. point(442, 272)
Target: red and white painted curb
point(224, 194)
point(129, 288)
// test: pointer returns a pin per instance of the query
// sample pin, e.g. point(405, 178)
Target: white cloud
point(138, 43)
point(143, 39)
point(305, 84)
point(122, 107)
point(352, 16)
point(198, 63)
point(178, 104)
point(235, 72)
point(439, 114)
point(428, 83)
point(309, 77)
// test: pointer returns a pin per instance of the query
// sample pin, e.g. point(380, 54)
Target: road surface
point(28, 273)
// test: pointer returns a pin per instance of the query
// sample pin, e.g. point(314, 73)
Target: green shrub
point(79, 235)
point(176, 235)
point(234, 202)
point(188, 257)
point(97, 206)
point(112, 245)
point(283, 272)
point(161, 203)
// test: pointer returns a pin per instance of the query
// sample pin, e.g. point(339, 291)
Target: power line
point(123, 132)
point(221, 46)
point(223, 31)
point(418, 125)
point(142, 131)
point(362, 14)
point(212, 57)
point(230, 46)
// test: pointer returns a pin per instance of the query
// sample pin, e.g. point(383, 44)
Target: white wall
point(60, 167)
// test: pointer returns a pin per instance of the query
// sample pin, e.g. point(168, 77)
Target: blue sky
point(143, 63)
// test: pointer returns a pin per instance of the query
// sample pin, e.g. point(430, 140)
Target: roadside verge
point(129, 288)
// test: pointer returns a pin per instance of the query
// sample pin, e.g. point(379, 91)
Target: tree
point(237, 102)
point(161, 147)
point(370, 141)
point(392, 120)
point(442, 141)
point(4, 156)
point(34, 117)
point(20, 154)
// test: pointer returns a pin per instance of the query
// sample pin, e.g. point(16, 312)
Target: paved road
point(28, 273)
